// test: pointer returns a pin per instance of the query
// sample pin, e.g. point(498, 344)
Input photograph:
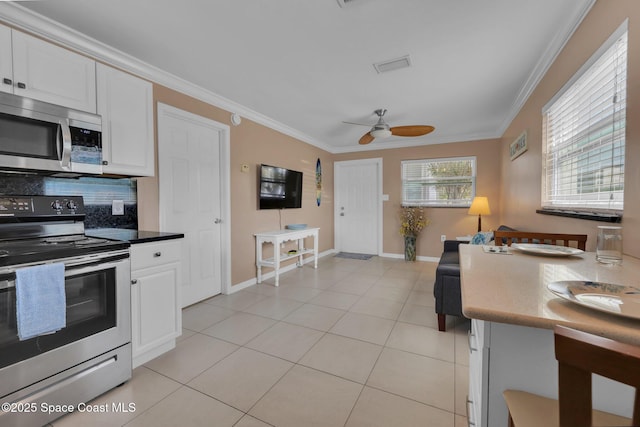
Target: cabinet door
point(53, 74)
point(156, 317)
point(126, 105)
point(479, 338)
point(6, 60)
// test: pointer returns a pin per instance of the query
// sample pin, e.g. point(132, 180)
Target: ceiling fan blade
point(416, 130)
point(366, 138)
point(359, 124)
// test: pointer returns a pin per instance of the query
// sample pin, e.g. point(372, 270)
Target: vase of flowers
point(412, 222)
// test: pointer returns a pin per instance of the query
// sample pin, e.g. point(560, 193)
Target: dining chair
point(579, 354)
point(508, 237)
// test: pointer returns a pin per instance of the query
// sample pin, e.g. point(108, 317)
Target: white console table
point(277, 238)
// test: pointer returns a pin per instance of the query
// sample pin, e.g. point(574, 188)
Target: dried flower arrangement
point(412, 220)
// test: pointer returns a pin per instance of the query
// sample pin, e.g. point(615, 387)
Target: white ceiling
point(307, 65)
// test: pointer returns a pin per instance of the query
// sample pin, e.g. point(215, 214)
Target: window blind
point(439, 182)
point(95, 191)
point(584, 134)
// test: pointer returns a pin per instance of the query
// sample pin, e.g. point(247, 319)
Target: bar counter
point(512, 318)
point(512, 289)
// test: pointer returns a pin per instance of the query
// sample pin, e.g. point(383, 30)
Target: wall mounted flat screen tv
point(279, 188)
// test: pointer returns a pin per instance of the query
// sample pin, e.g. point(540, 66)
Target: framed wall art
point(518, 146)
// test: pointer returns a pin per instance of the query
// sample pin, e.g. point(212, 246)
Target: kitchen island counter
point(513, 314)
point(512, 289)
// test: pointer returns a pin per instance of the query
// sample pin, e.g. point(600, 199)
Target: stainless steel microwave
point(36, 136)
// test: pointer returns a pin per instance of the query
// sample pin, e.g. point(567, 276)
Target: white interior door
point(190, 163)
point(358, 216)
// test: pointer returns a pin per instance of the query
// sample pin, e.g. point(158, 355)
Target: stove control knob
point(72, 205)
point(56, 205)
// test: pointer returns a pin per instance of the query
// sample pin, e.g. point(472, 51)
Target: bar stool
point(579, 354)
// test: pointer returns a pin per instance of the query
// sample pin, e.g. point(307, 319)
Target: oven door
point(98, 315)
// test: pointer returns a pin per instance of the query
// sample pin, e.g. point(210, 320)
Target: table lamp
point(480, 206)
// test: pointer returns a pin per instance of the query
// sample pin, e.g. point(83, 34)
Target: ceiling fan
point(382, 130)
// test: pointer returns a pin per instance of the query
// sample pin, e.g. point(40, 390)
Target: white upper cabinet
point(40, 70)
point(52, 74)
point(125, 103)
point(6, 60)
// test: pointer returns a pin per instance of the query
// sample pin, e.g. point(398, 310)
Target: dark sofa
point(446, 288)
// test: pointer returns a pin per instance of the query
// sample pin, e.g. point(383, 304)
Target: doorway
point(194, 182)
point(358, 204)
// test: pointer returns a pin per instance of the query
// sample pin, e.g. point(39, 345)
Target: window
point(95, 191)
point(584, 134)
point(439, 182)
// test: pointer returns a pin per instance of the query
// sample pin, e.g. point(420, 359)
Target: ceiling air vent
point(392, 64)
point(345, 3)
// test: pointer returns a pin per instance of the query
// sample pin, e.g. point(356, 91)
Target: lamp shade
point(480, 206)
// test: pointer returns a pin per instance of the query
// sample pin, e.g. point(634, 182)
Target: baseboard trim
point(247, 283)
point(418, 258)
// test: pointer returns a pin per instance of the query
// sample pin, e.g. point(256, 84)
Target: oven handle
point(8, 280)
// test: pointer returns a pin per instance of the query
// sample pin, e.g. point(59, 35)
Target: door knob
point(217, 221)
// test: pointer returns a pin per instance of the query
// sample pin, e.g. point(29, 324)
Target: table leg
point(276, 259)
point(259, 259)
point(300, 249)
point(315, 251)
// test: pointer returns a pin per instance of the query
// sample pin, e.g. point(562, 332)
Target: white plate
point(548, 250)
point(607, 297)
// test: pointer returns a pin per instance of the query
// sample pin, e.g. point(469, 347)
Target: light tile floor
point(353, 343)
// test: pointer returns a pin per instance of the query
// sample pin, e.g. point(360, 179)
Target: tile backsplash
point(98, 193)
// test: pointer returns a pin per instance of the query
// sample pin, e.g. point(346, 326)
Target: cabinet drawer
point(145, 255)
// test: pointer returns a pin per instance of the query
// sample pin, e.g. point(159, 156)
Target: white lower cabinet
point(516, 357)
point(156, 315)
point(478, 373)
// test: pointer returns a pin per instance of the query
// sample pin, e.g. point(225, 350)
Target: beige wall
point(521, 178)
point(450, 221)
point(513, 187)
point(252, 144)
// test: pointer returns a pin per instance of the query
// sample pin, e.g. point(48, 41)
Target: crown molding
point(34, 23)
point(544, 63)
point(27, 20)
point(415, 142)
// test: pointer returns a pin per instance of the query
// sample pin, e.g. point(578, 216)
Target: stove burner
point(76, 239)
point(65, 239)
point(37, 236)
point(88, 241)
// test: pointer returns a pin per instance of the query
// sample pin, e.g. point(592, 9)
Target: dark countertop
point(132, 236)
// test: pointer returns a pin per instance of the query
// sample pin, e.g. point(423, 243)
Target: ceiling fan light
point(380, 133)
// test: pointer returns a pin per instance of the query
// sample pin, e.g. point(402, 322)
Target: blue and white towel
point(41, 305)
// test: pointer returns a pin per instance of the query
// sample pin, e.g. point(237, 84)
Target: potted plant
point(412, 222)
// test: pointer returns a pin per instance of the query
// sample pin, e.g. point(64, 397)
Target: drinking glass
point(609, 245)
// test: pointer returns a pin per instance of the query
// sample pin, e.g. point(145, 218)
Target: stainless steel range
point(44, 375)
